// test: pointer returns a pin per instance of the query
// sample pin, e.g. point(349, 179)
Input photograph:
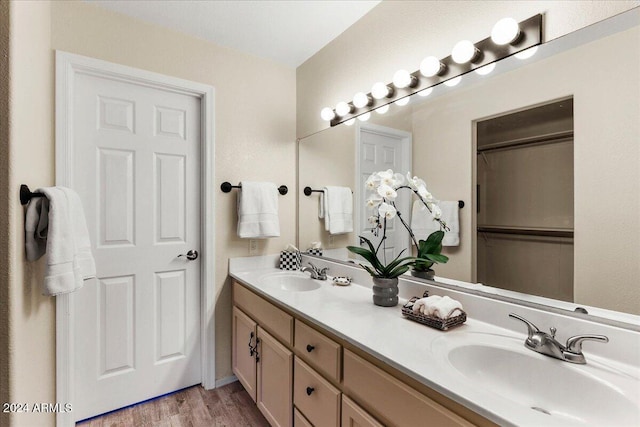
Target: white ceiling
point(288, 32)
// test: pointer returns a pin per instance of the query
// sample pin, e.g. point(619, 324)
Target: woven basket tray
point(434, 322)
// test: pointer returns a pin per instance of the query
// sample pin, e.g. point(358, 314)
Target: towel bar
point(309, 190)
point(226, 188)
point(26, 194)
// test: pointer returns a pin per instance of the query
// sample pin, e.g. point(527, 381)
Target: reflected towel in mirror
point(338, 210)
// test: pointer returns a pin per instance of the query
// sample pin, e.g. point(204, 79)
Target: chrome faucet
point(316, 273)
point(547, 344)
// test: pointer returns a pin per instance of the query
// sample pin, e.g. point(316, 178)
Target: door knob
point(191, 255)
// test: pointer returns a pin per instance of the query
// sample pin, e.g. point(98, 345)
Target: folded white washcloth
point(446, 307)
point(58, 222)
point(422, 222)
point(338, 210)
point(426, 305)
point(258, 210)
point(450, 217)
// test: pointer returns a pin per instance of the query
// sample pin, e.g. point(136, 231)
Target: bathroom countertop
point(348, 312)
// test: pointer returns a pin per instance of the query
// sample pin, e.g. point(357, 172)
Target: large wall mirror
point(545, 154)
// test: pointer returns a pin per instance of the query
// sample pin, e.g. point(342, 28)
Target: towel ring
point(226, 187)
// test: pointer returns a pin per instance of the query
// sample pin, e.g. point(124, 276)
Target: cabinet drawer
point(314, 396)
point(319, 351)
point(299, 420)
point(270, 317)
point(355, 416)
point(391, 401)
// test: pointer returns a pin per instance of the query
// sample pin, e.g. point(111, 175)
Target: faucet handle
point(531, 328)
point(574, 344)
point(553, 331)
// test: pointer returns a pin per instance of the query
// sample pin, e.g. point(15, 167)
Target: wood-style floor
point(228, 406)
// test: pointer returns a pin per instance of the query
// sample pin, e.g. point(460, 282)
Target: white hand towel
point(68, 248)
point(422, 222)
point(450, 217)
point(338, 213)
point(446, 307)
point(426, 305)
point(258, 210)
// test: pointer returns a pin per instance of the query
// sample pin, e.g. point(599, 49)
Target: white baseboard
point(224, 381)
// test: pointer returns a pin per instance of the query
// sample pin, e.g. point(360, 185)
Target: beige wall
point(399, 34)
point(254, 130)
point(31, 316)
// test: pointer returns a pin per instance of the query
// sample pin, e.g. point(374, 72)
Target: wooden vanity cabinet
point(274, 380)
point(243, 361)
point(262, 364)
point(304, 376)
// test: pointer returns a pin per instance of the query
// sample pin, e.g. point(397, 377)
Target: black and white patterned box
point(289, 260)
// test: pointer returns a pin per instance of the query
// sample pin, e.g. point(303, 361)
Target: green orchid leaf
point(438, 258)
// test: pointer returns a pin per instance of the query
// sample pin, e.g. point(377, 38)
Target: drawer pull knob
point(310, 348)
point(310, 390)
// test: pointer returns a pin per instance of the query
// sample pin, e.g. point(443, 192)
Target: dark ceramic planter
point(385, 292)
point(429, 274)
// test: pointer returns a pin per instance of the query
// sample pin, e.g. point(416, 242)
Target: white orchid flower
point(373, 201)
point(387, 192)
point(398, 180)
point(372, 182)
point(415, 182)
point(436, 212)
point(386, 177)
point(424, 193)
point(373, 220)
point(387, 211)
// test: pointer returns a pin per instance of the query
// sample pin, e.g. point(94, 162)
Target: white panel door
point(136, 167)
point(380, 151)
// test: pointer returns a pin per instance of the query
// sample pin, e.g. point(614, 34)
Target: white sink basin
point(592, 394)
point(290, 282)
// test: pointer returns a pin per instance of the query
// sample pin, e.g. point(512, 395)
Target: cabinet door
point(355, 416)
point(275, 380)
point(243, 358)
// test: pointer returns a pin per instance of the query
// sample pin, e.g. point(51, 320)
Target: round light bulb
point(401, 79)
point(364, 117)
point(505, 31)
point(350, 122)
point(425, 92)
point(527, 53)
point(381, 90)
point(361, 99)
point(342, 108)
point(431, 66)
point(464, 51)
point(327, 114)
point(382, 109)
point(453, 82)
point(483, 71)
point(402, 101)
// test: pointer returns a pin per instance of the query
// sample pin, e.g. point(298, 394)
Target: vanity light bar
point(487, 51)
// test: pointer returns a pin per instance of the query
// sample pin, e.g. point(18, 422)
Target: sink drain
point(544, 411)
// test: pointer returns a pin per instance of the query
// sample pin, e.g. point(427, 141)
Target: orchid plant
point(384, 187)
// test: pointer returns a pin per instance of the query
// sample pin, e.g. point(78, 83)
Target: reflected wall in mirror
point(601, 77)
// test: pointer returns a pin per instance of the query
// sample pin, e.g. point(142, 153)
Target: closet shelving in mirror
point(406, 84)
